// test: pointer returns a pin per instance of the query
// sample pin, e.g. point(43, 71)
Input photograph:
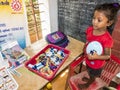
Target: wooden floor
point(59, 82)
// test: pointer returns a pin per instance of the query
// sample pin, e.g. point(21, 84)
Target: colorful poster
point(13, 21)
point(7, 82)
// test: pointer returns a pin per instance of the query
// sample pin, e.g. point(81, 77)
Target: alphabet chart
point(7, 82)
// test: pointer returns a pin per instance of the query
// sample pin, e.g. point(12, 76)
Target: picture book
point(7, 82)
point(12, 53)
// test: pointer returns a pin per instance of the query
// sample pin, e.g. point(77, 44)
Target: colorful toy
point(46, 70)
point(49, 86)
point(48, 61)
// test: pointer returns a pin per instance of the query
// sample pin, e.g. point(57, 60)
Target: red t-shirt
point(106, 42)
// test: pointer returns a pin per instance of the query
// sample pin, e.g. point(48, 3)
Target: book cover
point(7, 82)
point(14, 54)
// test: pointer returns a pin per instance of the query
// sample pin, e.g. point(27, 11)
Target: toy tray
point(48, 61)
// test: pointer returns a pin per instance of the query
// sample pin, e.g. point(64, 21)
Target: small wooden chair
point(111, 68)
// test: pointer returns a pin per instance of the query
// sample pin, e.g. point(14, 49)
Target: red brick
point(116, 38)
point(116, 35)
point(117, 24)
point(116, 45)
point(116, 53)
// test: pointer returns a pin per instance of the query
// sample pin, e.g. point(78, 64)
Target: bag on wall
point(57, 38)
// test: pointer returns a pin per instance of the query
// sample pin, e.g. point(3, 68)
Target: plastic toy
point(46, 70)
point(47, 62)
point(49, 86)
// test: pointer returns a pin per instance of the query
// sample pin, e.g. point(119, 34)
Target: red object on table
point(46, 73)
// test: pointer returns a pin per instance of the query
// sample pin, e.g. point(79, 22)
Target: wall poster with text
point(13, 21)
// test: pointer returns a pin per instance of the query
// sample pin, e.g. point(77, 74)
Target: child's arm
point(104, 56)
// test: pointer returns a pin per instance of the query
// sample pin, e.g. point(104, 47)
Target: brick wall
point(116, 38)
point(74, 16)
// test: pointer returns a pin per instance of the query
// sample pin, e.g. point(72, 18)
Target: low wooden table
point(31, 81)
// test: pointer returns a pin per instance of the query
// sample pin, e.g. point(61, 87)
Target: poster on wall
point(13, 21)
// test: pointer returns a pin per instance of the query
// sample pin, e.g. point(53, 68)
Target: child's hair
point(110, 10)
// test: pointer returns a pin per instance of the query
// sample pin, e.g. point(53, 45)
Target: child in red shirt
point(104, 17)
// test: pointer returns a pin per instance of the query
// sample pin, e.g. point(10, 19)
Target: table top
point(31, 81)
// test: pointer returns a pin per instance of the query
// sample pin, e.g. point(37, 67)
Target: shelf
point(34, 21)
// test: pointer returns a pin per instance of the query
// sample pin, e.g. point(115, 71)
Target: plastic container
point(48, 61)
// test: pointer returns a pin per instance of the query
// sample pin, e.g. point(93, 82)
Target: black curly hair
point(110, 10)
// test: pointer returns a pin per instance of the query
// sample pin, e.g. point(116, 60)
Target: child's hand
point(93, 56)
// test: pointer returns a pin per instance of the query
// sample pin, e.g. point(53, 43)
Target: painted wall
point(13, 25)
point(48, 16)
point(53, 9)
